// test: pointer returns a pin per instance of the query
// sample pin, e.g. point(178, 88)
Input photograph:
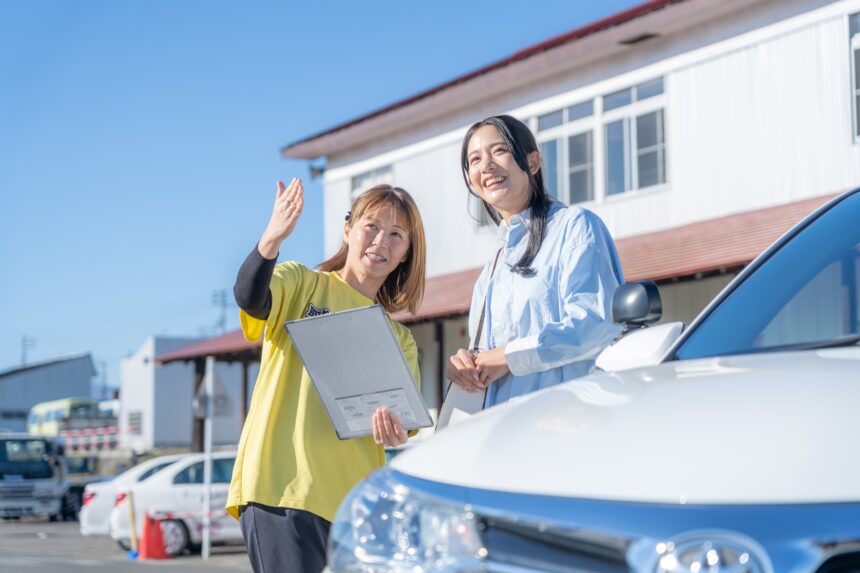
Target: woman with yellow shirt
point(291, 470)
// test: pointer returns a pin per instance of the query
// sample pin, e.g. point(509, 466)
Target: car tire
point(70, 508)
point(176, 538)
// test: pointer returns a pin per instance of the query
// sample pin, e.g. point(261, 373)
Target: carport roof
point(715, 245)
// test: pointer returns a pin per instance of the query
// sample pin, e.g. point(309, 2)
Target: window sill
point(635, 194)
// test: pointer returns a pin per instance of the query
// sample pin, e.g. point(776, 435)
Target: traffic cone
point(151, 540)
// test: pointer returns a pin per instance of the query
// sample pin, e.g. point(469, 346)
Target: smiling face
point(494, 174)
point(378, 242)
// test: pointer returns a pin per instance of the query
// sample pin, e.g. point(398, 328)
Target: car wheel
point(175, 536)
point(71, 505)
point(54, 517)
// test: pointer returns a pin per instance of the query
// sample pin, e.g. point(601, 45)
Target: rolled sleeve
point(523, 356)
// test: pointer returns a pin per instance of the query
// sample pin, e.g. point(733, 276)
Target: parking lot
point(40, 546)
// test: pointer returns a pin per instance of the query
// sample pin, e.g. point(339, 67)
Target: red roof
point(724, 243)
point(576, 34)
point(226, 344)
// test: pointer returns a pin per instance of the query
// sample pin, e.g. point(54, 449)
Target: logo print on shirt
point(314, 311)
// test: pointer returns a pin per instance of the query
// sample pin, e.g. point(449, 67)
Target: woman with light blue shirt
point(547, 293)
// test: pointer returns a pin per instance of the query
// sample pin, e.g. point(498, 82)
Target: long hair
point(404, 286)
point(521, 142)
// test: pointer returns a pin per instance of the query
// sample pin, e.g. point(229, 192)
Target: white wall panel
point(336, 203)
point(758, 113)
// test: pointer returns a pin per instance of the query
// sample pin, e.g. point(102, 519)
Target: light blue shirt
point(555, 322)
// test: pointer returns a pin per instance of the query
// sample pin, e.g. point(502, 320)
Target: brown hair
point(404, 286)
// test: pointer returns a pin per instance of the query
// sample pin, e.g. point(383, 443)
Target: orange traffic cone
point(151, 540)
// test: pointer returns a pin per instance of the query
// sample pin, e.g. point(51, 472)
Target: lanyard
point(477, 342)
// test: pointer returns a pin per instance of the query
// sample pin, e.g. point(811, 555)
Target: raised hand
point(285, 214)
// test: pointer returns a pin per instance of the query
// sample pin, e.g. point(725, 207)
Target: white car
point(98, 499)
point(736, 450)
point(176, 495)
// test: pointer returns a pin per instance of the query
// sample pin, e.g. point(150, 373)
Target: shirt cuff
point(522, 355)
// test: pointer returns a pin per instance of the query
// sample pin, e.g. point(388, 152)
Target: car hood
point(774, 428)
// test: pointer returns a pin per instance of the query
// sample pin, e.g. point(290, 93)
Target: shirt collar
point(511, 232)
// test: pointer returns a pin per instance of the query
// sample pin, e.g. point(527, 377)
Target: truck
point(33, 478)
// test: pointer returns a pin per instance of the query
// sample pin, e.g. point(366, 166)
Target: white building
point(22, 387)
point(157, 401)
point(699, 130)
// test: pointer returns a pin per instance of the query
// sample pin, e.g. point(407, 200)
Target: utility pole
point(219, 298)
point(27, 342)
point(103, 389)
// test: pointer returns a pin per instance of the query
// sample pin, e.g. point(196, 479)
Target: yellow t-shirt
point(289, 454)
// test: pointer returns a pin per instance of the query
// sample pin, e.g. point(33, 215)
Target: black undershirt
point(252, 285)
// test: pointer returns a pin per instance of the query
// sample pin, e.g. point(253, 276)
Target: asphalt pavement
point(36, 546)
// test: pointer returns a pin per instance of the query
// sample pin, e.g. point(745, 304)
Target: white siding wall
point(758, 113)
point(172, 392)
point(140, 381)
point(336, 203)
point(164, 397)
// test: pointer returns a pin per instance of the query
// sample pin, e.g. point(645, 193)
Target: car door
point(188, 493)
point(224, 527)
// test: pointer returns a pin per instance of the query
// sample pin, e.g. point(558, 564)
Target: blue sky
point(139, 143)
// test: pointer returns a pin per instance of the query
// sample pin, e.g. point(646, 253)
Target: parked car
point(176, 494)
point(98, 498)
point(736, 449)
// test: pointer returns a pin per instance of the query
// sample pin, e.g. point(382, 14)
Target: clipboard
point(356, 365)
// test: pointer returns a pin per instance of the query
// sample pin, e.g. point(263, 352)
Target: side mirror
point(637, 304)
point(644, 347)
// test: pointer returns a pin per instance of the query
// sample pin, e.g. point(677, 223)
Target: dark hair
point(520, 141)
point(403, 289)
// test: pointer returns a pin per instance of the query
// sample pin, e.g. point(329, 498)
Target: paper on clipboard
point(356, 366)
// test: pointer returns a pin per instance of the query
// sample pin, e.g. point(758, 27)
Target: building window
point(135, 423)
point(580, 151)
point(364, 181)
point(549, 155)
point(623, 131)
point(854, 39)
point(635, 142)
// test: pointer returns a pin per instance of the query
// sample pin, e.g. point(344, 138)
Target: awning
point(231, 347)
point(720, 244)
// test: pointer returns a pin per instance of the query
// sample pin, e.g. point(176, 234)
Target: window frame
point(382, 175)
point(854, 47)
point(597, 124)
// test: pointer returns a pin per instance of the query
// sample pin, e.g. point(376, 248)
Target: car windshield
point(806, 295)
point(27, 459)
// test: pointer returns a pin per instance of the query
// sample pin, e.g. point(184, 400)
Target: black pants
point(280, 539)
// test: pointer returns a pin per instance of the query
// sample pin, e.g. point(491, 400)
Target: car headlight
point(384, 526)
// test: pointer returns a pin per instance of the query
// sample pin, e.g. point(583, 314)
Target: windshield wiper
point(832, 343)
point(836, 342)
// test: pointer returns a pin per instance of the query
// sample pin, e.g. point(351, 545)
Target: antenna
point(219, 298)
point(27, 342)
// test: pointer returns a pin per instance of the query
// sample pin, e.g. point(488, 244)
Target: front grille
point(16, 492)
point(524, 547)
